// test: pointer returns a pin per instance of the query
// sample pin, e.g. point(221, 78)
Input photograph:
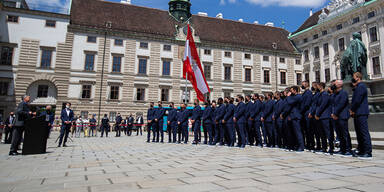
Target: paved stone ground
point(129, 164)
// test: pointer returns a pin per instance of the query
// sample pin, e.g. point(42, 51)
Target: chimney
point(220, 16)
point(256, 22)
point(311, 12)
point(128, 2)
point(241, 20)
point(270, 24)
point(202, 14)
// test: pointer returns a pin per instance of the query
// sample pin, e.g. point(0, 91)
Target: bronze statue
point(354, 59)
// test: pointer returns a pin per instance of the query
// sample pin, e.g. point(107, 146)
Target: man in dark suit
point(228, 120)
point(360, 112)
point(22, 114)
point(118, 122)
point(139, 122)
point(277, 110)
point(220, 126)
point(248, 122)
point(315, 125)
point(323, 113)
point(309, 134)
point(255, 114)
point(150, 125)
point(207, 119)
point(159, 115)
point(196, 122)
point(172, 123)
point(105, 125)
point(67, 118)
point(92, 124)
point(341, 115)
point(130, 122)
point(267, 119)
point(9, 123)
point(240, 119)
point(182, 121)
point(294, 101)
point(49, 117)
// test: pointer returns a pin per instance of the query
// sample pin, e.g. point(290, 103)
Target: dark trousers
point(149, 129)
point(288, 132)
point(64, 131)
point(230, 127)
point(160, 131)
point(279, 129)
point(185, 132)
point(179, 133)
point(16, 137)
point(268, 128)
point(208, 132)
point(8, 132)
point(316, 125)
point(298, 134)
point(328, 134)
point(257, 126)
point(362, 133)
point(345, 138)
point(197, 131)
point(104, 129)
point(129, 130)
point(155, 127)
point(251, 132)
point(219, 133)
point(174, 131)
point(118, 131)
point(309, 133)
point(241, 134)
point(139, 128)
point(265, 133)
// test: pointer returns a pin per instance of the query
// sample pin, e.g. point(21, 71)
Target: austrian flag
point(192, 68)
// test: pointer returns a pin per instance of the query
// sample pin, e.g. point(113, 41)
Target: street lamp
point(274, 46)
point(108, 25)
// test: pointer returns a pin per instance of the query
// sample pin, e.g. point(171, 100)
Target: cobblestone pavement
point(129, 164)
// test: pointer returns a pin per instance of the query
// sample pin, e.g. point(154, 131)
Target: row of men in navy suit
point(285, 119)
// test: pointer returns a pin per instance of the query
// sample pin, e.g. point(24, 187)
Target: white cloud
point(223, 2)
point(59, 6)
point(289, 3)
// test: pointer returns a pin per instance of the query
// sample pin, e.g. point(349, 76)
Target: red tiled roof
point(95, 13)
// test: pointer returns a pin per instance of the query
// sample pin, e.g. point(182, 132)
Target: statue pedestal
point(376, 103)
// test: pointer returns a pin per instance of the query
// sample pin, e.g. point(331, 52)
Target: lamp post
point(108, 25)
point(274, 46)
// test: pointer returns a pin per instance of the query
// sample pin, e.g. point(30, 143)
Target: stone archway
point(42, 92)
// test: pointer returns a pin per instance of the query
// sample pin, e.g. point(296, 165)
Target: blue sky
point(292, 12)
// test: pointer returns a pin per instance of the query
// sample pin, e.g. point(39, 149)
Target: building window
point(86, 92)
point(298, 79)
point(13, 18)
point(112, 116)
point(6, 55)
point(227, 73)
point(89, 62)
point(114, 93)
point(4, 88)
point(50, 23)
point(306, 55)
point(265, 58)
point(307, 76)
point(305, 40)
point(282, 60)
point(166, 68)
point(248, 75)
point(228, 54)
point(325, 32)
point(327, 75)
point(316, 36)
point(266, 77)
point(356, 20)
point(140, 94)
point(143, 45)
point(143, 66)
point(326, 49)
point(46, 59)
point(227, 94)
point(167, 47)
point(247, 56)
point(91, 39)
point(373, 34)
point(298, 62)
point(164, 95)
point(207, 52)
point(42, 91)
point(339, 26)
point(317, 76)
point(116, 66)
point(341, 44)
point(371, 14)
point(317, 52)
point(119, 42)
point(283, 78)
point(207, 71)
point(376, 65)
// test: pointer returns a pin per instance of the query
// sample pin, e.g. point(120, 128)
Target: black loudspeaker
point(35, 136)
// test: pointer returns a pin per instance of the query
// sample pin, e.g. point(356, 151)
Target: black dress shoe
point(14, 153)
point(365, 156)
point(65, 145)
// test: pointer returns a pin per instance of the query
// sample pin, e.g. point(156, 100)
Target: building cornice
point(35, 12)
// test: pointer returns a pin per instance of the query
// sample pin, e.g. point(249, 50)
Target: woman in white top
point(79, 125)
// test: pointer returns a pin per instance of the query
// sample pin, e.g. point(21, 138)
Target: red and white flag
point(192, 68)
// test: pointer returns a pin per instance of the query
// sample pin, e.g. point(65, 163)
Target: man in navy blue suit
point(182, 121)
point(323, 113)
point(240, 120)
point(306, 121)
point(277, 110)
point(172, 123)
point(341, 115)
point(267, 119)
point(150, 117)
point(228, 121)
point(256, 113)
point(207, 119)
point(250, 121)
point(196, 121)
point(118, 122)
point(360, 112)
point(67, 119)
point(220, 126)
point(159, 114)
point(294, 100)
point(315, 124)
